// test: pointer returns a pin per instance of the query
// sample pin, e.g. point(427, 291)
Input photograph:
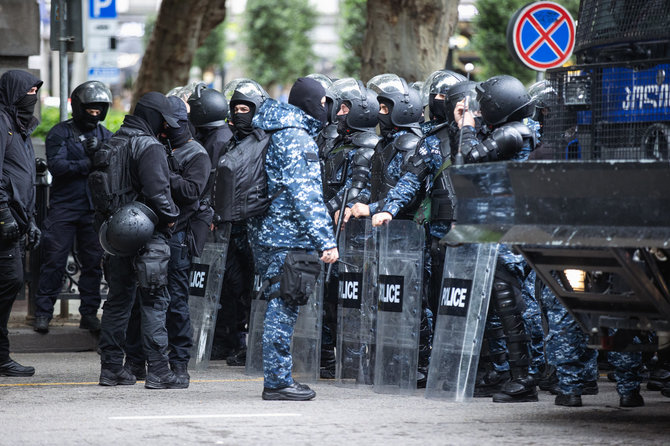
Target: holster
point(299, 277)
point(151, 264)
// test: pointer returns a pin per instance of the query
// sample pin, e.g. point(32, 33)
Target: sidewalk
point(64, 332)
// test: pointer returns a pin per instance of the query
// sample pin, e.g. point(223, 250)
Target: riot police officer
point(137, 265)
point(70, 147)
point(296, 220)
point(356, 109)
point(18, 96)
point(504, 103)
point(245, 97)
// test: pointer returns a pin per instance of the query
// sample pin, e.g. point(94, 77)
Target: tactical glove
point(91, 146)
point(33, 236)
point(9, 229)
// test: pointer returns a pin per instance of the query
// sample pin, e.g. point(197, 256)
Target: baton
point(340, 220)
point(458, 159)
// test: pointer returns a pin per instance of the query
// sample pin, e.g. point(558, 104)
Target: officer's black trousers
point(11, 281)
point(116, 313)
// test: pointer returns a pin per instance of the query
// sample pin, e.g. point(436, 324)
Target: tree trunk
point(180, 29)
point(407, 37)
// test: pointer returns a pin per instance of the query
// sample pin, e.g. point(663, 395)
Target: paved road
point(63, 405)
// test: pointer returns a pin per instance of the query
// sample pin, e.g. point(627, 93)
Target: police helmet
point(544, 96)
point(324, 80)
point(362, 103)
point(209, 107)
point(245, 90)
point(406, 105)
point(504, 99)
point(183, 92)
point(90, 93)
point(457, 93)
point(439, 82)
point(127, 229)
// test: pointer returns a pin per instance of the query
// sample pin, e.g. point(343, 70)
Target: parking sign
point(102, 9)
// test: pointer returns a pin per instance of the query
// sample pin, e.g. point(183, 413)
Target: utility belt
point(298, 278)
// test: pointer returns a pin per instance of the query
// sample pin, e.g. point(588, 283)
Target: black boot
point(294, 392)
point(568, 400)
point(139, 369)
point(41, 324)
point(180, 369)
point(519, 390)
point(327, 369)
point(13, 368)
point(90, 322)
point(116, 375)
point(239, 358)
point(632, 399)
point(159, 376)
point(492, 382)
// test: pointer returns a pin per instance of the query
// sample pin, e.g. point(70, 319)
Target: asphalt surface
point(63, 405)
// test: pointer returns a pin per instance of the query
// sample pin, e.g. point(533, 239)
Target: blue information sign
point(102, 9)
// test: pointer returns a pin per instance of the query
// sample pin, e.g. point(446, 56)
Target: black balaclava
point(306, 94)
point(341, 120)
point(178, 136)
point(25, 108)
point(438, 108)
point(155, 109)
point(14, 84)
point(242, 121)
point(86, 121)
point(386, 126)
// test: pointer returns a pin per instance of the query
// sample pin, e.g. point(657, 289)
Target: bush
point(51, 116)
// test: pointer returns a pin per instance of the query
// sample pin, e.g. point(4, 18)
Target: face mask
point(242, 124)
point(87, 121)
point(25, 107)
point(178, 137)
point(342, 127)
point(438, 108)
point(386, 127)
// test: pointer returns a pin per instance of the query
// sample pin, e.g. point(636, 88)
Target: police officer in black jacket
point(189, 170)
point(70, 146)
point(150, 175)
point(18, 96)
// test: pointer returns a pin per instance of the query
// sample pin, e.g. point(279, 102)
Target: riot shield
point(357, 304)
point(306, 342)
point(254, 362)
point(464, 301)
point(205, 280)
point(399, 290)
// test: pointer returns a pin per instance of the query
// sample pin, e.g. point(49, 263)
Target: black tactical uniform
point(17, 197)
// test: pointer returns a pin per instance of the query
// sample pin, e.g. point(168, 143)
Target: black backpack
point(110, 183)
point(241, 187)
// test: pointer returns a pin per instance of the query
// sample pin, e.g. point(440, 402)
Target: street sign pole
point(62, 53)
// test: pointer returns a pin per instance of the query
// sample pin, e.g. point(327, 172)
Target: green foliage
point(353, 14)
point(490, 37)
point(279, 48)
point(51, 117)
point(210, 54)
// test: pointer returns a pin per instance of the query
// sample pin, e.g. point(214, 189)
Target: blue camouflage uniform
point(296, 219)
point(627, 368)
point(567, 346)
point(532, 317)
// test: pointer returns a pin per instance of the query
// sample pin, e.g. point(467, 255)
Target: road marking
point(190, 417)
point(139, 382)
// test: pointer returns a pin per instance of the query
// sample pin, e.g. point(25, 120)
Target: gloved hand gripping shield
point(205, 281)
point(356, 304)
point(463, 305)
point(399, 292)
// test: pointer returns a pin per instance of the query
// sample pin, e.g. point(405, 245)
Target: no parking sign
point(541, 35)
